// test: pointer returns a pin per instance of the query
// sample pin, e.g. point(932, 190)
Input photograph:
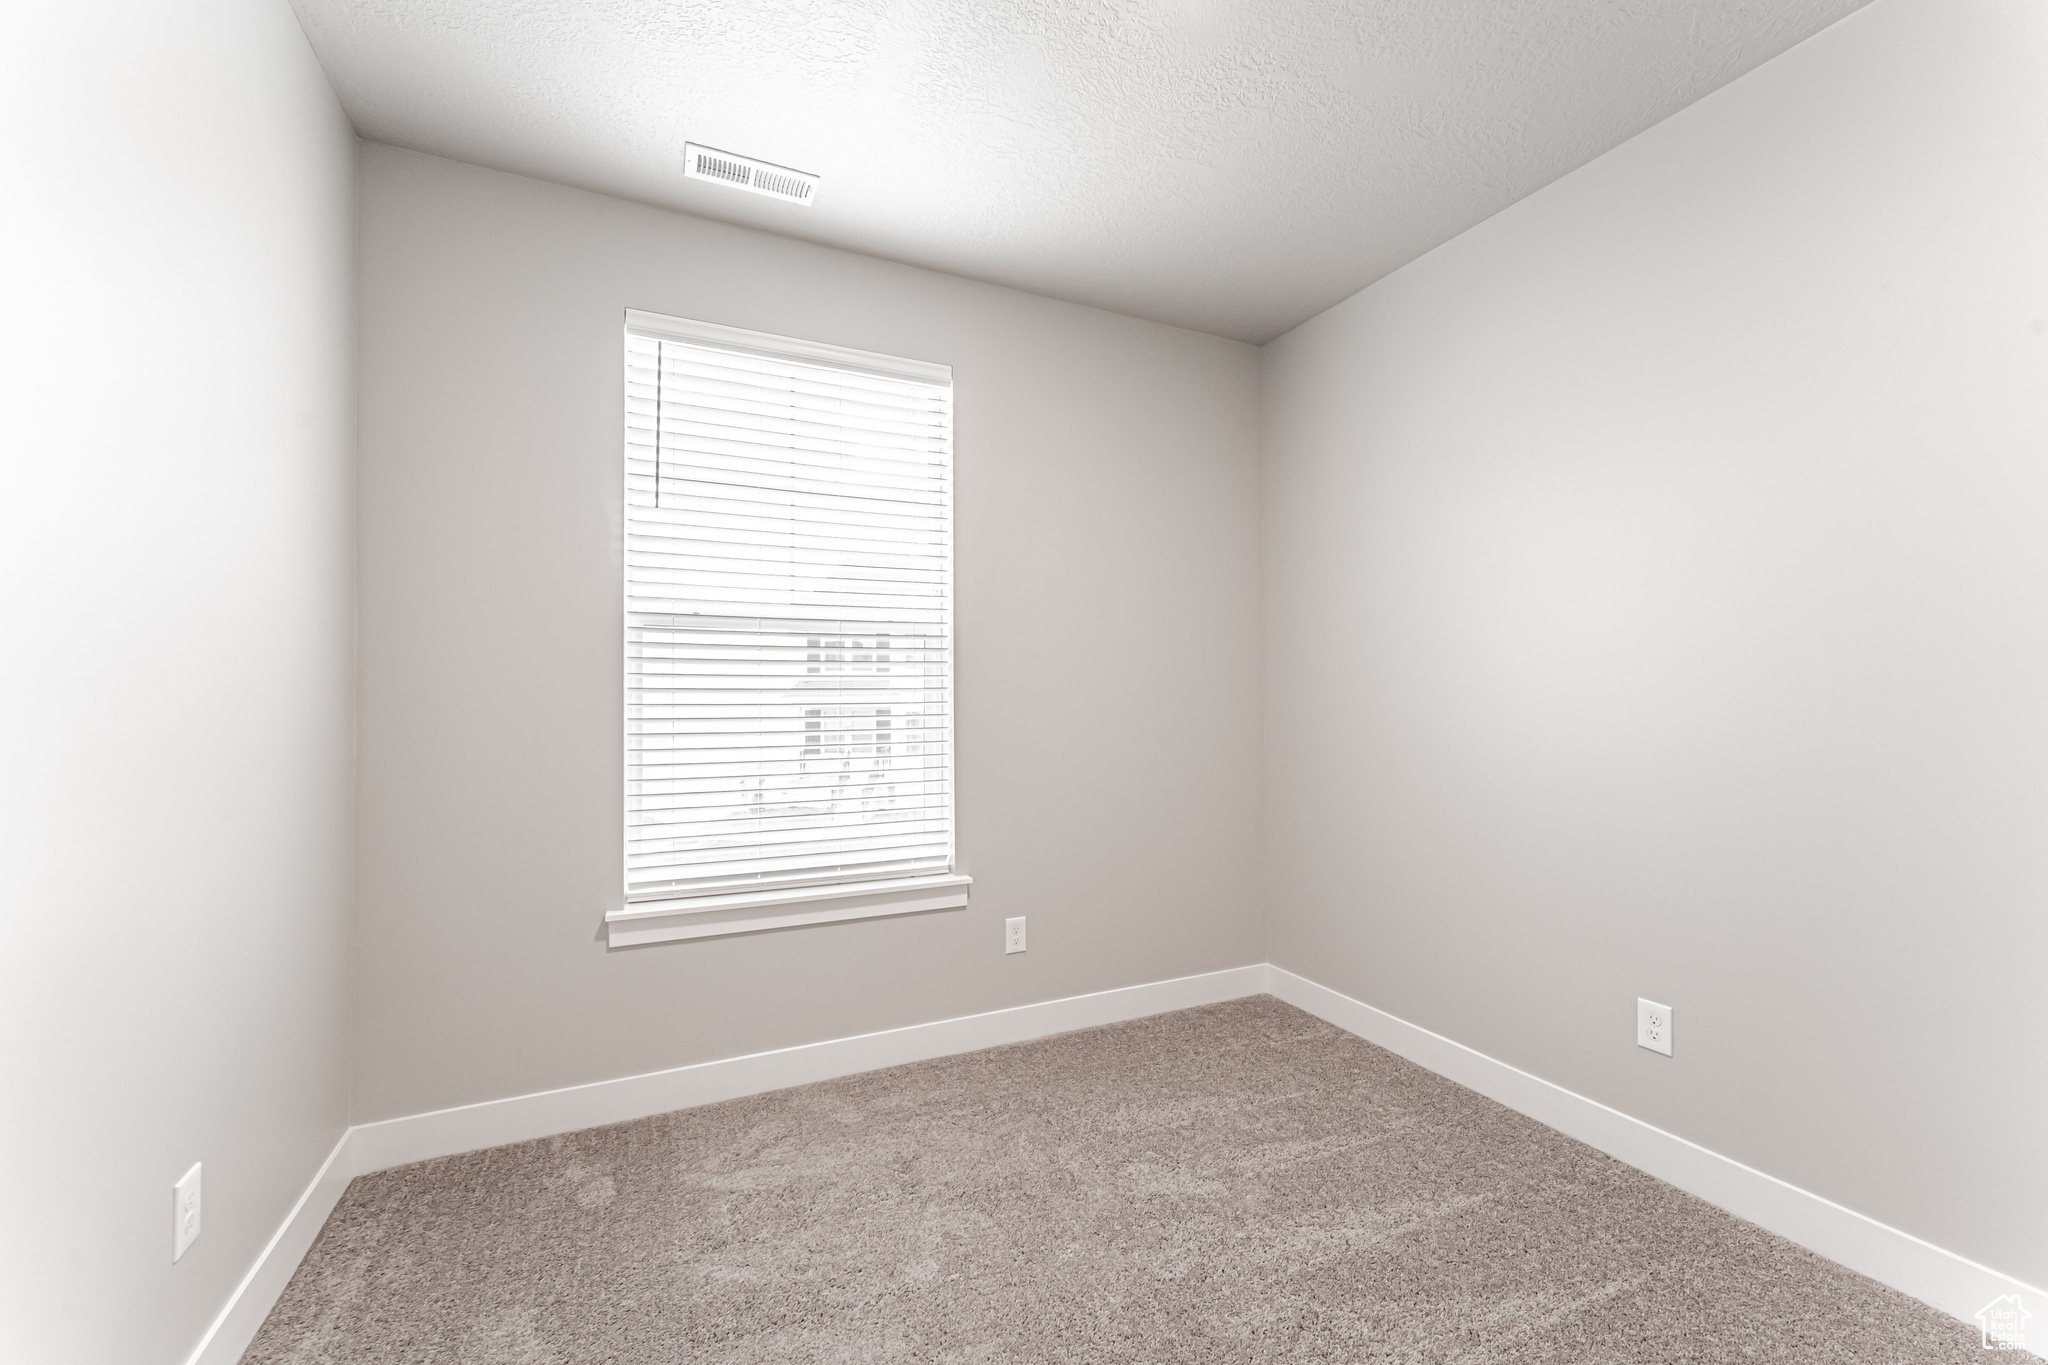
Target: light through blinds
point(788, 618)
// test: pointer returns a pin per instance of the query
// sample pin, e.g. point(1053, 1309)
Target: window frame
point(630, 923)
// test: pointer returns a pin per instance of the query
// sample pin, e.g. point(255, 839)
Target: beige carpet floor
point(1237, 1183)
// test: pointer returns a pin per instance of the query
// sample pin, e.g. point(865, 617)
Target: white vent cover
point(745, 173)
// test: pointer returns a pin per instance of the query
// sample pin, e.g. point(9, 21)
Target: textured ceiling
point(1234, 166)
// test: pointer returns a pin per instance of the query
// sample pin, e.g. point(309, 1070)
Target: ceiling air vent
point(745, 173)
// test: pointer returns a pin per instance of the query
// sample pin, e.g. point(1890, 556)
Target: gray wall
point(1657, 604)
point(1107, 607)
point(175, 562)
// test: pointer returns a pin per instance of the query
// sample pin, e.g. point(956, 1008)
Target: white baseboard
point(395, 1142)
point(258, 1292)
point(1936, 1277)
point(1906, 1263)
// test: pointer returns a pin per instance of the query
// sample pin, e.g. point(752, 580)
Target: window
point(789, 730)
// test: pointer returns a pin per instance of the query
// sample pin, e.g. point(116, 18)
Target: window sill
point(753, 911)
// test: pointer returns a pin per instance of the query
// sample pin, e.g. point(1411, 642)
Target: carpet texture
point(1236, 1183)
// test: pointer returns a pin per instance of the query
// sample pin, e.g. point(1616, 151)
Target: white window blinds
point(788, 616)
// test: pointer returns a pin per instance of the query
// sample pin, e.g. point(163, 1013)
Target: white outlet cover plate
point(1013, 935)
point(185, 1212)
point(1653, 1026)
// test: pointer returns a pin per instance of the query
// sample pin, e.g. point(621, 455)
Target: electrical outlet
point(1653, 1026)
point(1013, 935)
point(185, 1212)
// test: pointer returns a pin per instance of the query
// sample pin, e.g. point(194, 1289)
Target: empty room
point(751, 681)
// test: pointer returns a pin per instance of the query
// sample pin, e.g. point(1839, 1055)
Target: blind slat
point(867, 869)
point(796, 862)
